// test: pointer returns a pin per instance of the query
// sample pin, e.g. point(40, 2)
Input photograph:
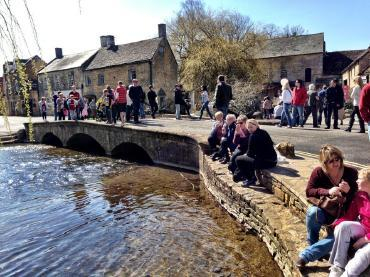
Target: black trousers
point(61, 115)
point(245, 166)
point(356, 111)
point(213, 141)
point(311, 110)
point(136, 107)
point(153, 108)
point(332, 109)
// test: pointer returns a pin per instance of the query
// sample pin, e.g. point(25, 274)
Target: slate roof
point(336, 62)
point(364, 64)
point(68, 61)
point(125, 53)
point(291, 46)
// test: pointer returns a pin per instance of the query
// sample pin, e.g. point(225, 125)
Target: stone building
point(302, 57)
point(150, 61)
point(12, 88)
point(358, 67)
point(64, 71)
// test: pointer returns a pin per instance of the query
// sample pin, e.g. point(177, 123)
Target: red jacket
point(359, 207)
point(364, 104)
point(299, 96)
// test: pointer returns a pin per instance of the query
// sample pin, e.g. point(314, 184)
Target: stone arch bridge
point(133, 144)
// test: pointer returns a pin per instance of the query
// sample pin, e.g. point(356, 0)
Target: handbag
point(331, 204)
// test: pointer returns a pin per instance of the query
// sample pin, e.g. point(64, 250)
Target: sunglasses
point(333, 160)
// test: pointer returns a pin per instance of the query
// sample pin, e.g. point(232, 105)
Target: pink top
point(359, 207)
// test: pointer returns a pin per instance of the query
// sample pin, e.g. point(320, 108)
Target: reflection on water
point(67, 213)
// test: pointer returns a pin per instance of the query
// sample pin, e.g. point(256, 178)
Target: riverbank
point(275, 211)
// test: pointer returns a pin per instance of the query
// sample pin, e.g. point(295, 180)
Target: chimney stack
point(58, 53)
point(162, 30)
point(107, 41)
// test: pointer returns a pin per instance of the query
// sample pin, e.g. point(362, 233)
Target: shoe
point(326, 128)
point(247, 183)
point(336, 128)
point(301, 126)
point(316, 127)
point(289, 126)
point(237, 178)
point(361, 131)
point(336, 271)
point(325, 257)
point(300, 263)
point(278, 125)
point(225, 161)
point(215, 156)
point(347, 130)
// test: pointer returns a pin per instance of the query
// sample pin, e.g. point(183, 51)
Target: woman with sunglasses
point(331, 178)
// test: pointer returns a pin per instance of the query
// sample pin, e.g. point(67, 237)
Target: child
point(267, 106)
point(216, 132)
point(348, 229)
point(72, 106)
point(43, 107)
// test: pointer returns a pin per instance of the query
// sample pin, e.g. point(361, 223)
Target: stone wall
point(294, 65)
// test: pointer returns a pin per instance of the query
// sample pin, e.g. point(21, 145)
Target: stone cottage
point(150, 61)
point(64, 71)
point(12, 88)
point(359, 67)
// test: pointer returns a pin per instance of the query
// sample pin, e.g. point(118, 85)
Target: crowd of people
point(323, 103)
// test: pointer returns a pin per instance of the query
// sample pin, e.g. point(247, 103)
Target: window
point(100, 79)
point(307, 75)
point(131, 74)
point(284, 73)
point(87, 81)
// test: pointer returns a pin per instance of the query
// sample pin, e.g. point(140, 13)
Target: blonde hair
point(358, 80)
point(328, 152)
point(253, 122)
point(285, 86)
point(219, 114)
point(365, 174)
point(311, 87)
point(242, 118)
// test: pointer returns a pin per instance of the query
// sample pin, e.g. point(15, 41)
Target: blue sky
point(63, 24)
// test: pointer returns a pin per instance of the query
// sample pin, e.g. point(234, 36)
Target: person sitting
point(331, 178)
point(241, 137)
point(348, 228)
point(260, 155)
point(214, 138)
point(226, 140)
point(278, 110)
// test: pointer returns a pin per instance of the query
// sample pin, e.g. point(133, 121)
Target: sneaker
point(336, 271)
point(247, 183)
point(327, 128)
point(300, 263)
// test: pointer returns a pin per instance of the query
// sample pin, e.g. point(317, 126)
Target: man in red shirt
point(364, 106)
point(298, 102)
point(121, 101)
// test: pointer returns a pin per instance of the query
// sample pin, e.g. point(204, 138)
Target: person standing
point(121, 101)
point(286, 96)
point(142, 106)
point(205, 101)
point(92, 106)
point(152, 95)
point(76, 96)
point(55, 97)
point(322, 103)
point(223, 95)
point(334, 97)
point(60, 106)
point(355, 95)
point(43, 107)
point(178, 101)
point(364, 106)
point(312, 105)
point(135, 93)
point(267, 106)
point(298, 101)
point(72, 106)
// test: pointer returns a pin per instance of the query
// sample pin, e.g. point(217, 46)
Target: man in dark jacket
point(152, 95)
point(136, 93)
point(335, 99)
point(223, 95)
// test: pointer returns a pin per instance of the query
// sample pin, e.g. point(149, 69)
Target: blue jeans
point(298, 110)
point(205, 107)
point(286, 113)
point(315, 218)
point(141, 110)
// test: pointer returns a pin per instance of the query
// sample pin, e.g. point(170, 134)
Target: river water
point(67, 213)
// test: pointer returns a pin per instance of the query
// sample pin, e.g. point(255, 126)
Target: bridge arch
point(85, 143)
point(51, 139)
point(131, 152)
